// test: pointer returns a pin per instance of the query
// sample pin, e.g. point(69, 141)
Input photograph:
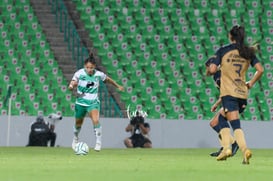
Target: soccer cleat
point(234, 148)
point(215, 154)
point(247, 156)
point(224, 155)
point(74, 142)
point(97, 147)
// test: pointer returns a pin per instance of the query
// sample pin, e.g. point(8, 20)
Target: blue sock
point(223, 122)
point(217, 128)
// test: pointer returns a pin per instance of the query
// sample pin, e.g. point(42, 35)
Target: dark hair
point(40, 118)
point(90, 59)
point(238, 34)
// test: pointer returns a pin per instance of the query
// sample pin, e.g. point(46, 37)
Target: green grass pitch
point(60, 164)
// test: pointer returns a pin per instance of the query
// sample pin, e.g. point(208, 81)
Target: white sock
point(98, 134)
point(76, 131)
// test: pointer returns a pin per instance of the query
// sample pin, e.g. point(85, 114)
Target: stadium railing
point(109, 107)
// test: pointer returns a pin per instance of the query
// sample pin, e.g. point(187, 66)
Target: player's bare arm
point(258, 74)
point(215, 105)
point(114, 83)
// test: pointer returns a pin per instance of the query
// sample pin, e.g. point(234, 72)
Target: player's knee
point(235, 124)
point(223, 121)
point(213, 123)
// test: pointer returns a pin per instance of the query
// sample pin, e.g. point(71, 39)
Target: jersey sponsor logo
point(238, 82)
point(240, 91)
point(90, 84)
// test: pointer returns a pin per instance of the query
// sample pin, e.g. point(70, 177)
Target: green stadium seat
point(267, 114)
point(187, 5)
point(159, 86)
point(156, 32)
point(232, 17)
point(20, 55)
point(193, 112)
point(221, 5)
point(203, 5)
point(252, 114)
point(214, 18)
point(254, 5)
point(175, 14)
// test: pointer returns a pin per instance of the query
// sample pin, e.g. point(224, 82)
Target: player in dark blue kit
point(214, 123)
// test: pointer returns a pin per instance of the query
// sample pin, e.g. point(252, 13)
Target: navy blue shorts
point(233, 104)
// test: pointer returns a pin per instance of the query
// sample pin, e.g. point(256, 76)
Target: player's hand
point(72, 85)
point(213, 108)
point(249, 85)
point(121, 88)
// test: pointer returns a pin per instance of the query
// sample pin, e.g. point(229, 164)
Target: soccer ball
point(81, 148)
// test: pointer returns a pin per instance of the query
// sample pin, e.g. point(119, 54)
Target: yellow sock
point(232, 140)
point(240, 139)
point(220, 141)
point(225, 133)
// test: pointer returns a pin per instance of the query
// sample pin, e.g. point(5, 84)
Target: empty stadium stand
point(29, 66)
point(156, 48)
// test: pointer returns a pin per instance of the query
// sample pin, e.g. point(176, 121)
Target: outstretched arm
point(216, 104)
point(111, 81)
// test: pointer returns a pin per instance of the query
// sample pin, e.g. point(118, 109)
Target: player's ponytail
point(238, 34)
point(90, 59)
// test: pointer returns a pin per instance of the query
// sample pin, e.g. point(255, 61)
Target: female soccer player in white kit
point(87, 80)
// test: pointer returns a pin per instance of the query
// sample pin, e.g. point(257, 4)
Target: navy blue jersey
point(217, 78)
point(217, 59)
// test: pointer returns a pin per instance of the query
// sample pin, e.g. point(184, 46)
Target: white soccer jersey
point(88, 86)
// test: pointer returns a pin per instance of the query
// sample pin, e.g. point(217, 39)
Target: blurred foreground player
point(234, 60)
point(214, 122)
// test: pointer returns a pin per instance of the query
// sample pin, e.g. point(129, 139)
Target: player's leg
point(232, 106)
point(234, 145)
point(239, 133)
point(214, 124)
point(80, 112)
point(94, 115)
point(225, 135)
point(239, 136)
